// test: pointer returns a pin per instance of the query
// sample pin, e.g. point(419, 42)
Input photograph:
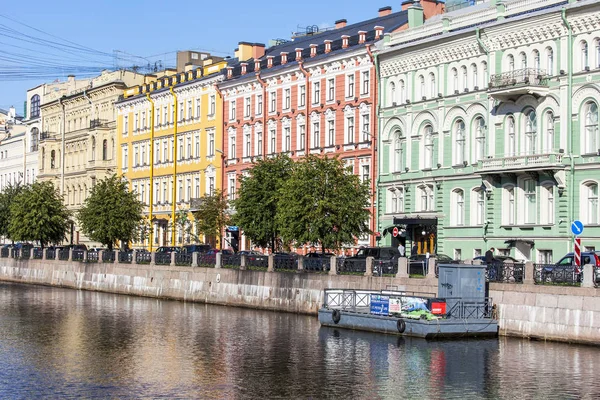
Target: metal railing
point(98, 123)
point(25, 252)
point(78, 255)
point(63, 254)
point(125, 257)
point(143, 257)
point(257, 262)
point(317, 264)
point(162, 258)
point(51, 254)
point(567, 275)
point(108, 256)
point(526, 76)
point(4, 252)
point(38, 253)
point(183, 259)
point(231, 260)
point(92, 256)
point(467, 308)
point(351, 266)
point(417, 267)
point(360, 300)
point(207, 260)
point(385, 267)
point(505, 272)
point(285, 262)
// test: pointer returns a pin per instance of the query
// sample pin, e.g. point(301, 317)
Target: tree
point(323, 203)
point(185, 225)
point(256, 205)
point(7, 197)
point(112, 212)
point(212, 214)
point(38, 213)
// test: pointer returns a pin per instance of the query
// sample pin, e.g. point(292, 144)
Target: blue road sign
point(577, 228)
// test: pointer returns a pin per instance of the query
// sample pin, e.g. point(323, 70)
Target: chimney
point(313, 50)
point(256, 65)
point(406, 4)
point(385, 11)
point(378, 32)
point(188, 67)
point(229, 72)
point(362, 36)
point(327, 46)
point(258, 50)
point(415, 15)
point(340, 23)
point(244, 68)
point(284, 56)
point(269, 61)
point(299, 54)
point(345, 39)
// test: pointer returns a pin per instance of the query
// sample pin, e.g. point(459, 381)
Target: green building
point(488, 130)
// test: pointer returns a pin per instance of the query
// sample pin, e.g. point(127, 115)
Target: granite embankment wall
point(543, 312)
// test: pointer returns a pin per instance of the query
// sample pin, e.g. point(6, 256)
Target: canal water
point(60, 343)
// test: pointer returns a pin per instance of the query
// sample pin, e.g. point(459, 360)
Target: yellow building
point(169, 138)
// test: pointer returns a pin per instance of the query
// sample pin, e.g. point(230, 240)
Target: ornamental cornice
point(272, 124)
point(527, 35)
point(315, 116)
point(348, 111)
point(300, 118)
point(329, 114)
point(586, 23)
point(285, 122)
point(272, 82)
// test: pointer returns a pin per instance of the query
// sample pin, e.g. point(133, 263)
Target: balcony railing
point(527, 76)
point(98, 123)
point(530, 161)
point(46, 135)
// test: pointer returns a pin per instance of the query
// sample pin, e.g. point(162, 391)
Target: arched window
point(550, 60)
point(426, 199)
point(585, 59)
point(478, 207)
point(530, 132)
point(465, 80)
point(93, 148)
point(43, 158)
point(530, 210)
point(454, 80)
point(597, 52)
point(458, 207)
point(459, 142)
point(112, 149)
point(428, 147)
point(396, 204)
point(34, 139)
point(523, 60)
point(508, 206)
point(549, 132)
point(392, 94)
point(547, 204)
point(402, 90)
point(590, 203)
point(511, 63)
point(52, 159)
point(104, 149)
point(399, 152)
point(511, 139)
point(591, 128)
point(480, 138)
point(475, 76)
point(421, 87)
point(432, 87)
point(34, 106)
point(536, 60)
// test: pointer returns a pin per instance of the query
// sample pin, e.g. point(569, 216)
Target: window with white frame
point(189, 146)
point(272, 141)
point(287, 139)
point(316, 92)
point(197, 187)
point(259, 141)
point(231, 187)
point(392, 94)
point(259, 104)
point(589, 203)
point(365, 82)
point(402, 91)
point(511, 137)
point(190, 109)
point(523, 59)
point(302, 96)
point(144, 120)
point(365, 172)
point(198, 104)
point(165, 151)
point(530, 207)
point(399, 155)
point(547, 204)
point(350, 85)
point(396, 200)
point(349, 165)
point(531, 136)
point(585, 55)
point(477, 206)
point(125, 125)
point(597, 52)
point(232, 110)
point(330, 89)
point(287, 98)
point(511, 63)
point(432, 86)
point(508, 205)
point(125, 154)
point(136, 126)
point(550, 61)
point(545, 257)
point(165, 120)
point(460, 141)
point(475, 76)
point(366, 127)
point(247, 144)
point(272, 101)
point(428, 147)
point(480, 138)
point(590, 140)
point(549, 132)
point(536, 60)
point(301, 136)
point(454, 74)
point(211, 143)
point(426, 198)
point(464, 78)
point(421, 92)
point(350, 134)
point(247, 107)
point(232, 148)
point(136, 156)
point(181, 115)
point(197, 146)
point(211, 185)
point(316, 135)
point(157, 117)
point(330, 132)
point(458, 254)
point(458, 208)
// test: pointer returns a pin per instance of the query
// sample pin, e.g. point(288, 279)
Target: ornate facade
point(489, 130)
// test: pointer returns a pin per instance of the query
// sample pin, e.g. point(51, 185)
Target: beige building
point(78, 143)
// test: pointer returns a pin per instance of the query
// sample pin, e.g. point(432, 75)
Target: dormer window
point(378, 32)
point(244, 68)
point(257, 65)
point(229, 72)
point(299, 54)
point(269, 61)
point(362, 36)
point(327, 46)
point(284, 56)
point(345, 40)
point(313, 50)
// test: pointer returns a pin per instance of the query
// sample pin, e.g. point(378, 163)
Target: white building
point(14, 166)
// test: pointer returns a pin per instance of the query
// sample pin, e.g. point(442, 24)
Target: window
point(421, 94)
point(523, 59)
point(136, 156)
point(166, 116)
point(197, 143)
point(198, 108)
point(180, 116)
point(530, 209)
point(547, 204)
point(591, 128)
point(259, 104)
point(428, 147)
point(330, 133)
point(508, 209)
point(425, 198)
point(157, 117)
point(34, 106)
point(366, 82)
point(272, 102)
point(549, 137)
point(465, 81)
point(125, 161)
point(125, 125)
point(585, 59)
point(455, 80)
point(536, 60)
point(247, 106)
point(247, 145)
point(480, 135)
point(366, 127)
point(458, 206)
point(301, 136)
point(330, 89)
point(545, 257)
point(272, 141)
point(402, 89)
point(396, 200)
point(511, 63)
point(232, 149)
point(392, 91)
point(479, 207)
point(211, 185)
point(590, 203)
point(550, 61)
point(232, 110)
point(432, 86)
point(212, 105)
point(197, 186)
point(530, 132)
point(136, 122)
point(231, 190)
point(287, 99)
point(316, 135)
point(399, 151)
point(350, 130)
point(180, 190)
point(365, 173)
point(165, 152)
point(104, 150)
point(259, 143)
point(350, 85)
point(189, 113)
point(302, 95)
point(460, 142)
point(475, 76)
point(511, 137)
point(287, 136)
point(157, 157)
point(597, 44)
point(316, 92)
point(211, 144)
point(34, 139)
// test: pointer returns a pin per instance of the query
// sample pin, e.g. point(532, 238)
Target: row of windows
point(76, 195)
point(17, 177)
point(187, 188)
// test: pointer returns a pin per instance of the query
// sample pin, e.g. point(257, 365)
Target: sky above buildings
point(82, 36)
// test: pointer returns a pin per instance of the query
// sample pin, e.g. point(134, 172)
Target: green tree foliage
point(212, 214)
point(7, 197)
point(322, 203)
point(258, 196)
point(185, 225)
point(112, 212)
point(38, 213)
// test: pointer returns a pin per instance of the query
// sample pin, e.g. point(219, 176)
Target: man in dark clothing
point(489, 256)
point(414, 250)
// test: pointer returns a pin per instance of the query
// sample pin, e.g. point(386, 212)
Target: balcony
point(530, 162)
point(511, 85)
point(47, 136)
point(98, 123)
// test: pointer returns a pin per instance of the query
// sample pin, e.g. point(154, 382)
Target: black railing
point(567, 275)
point(51, 254)
point(63, 254)
point(316, 264)
point(231, 260)
point(466, 308)
point(78, 255)
point(38, 253)
point(285, 262)
point(25, 253)
point(97, 123)
point(505, 272)
point(162, 258)
point(4, 252)
point(183, 259)
point(92, 256)
point(207, 260)
point(143, 257)
point(417, 267)
point(46, 135)
point(385, 267)
point(125, 257)
point(352, 266)
point(526, 76)
point(108, 256)
point(257, 262)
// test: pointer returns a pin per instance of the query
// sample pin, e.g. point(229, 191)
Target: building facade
point(489, 130)
point(13, 141)
point(78, 138)
point(170, 141)
point(316, 94)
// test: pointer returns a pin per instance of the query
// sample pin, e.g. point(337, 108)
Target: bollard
point(271, 267)
point(152, 258)
point(243, 262)
point(431, 267)
point(333, 265)
point(116, 256)
point(529, 272)
point(85, 254)
point(31, 255)
point(71, 254)
point(134, 256)
point(369, 267)
point(402, 268)
point(57, 254)
point(588, 276)
point(194, 259)
point(100, 256)
point(173, 259)
point(219, 260)
point(300, 264)
point(44, 250)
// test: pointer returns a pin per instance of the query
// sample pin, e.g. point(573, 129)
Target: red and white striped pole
point(578, 251)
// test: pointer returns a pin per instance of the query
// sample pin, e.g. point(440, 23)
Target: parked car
point(387, 257)
point(168, 249)
point(499, 258)
point(417, 263)
point(195, 248)
point(317, 261)
point(565, 269)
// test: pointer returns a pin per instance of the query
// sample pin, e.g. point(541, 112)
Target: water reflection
point(58, 342)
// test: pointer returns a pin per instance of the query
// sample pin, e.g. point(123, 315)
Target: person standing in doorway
point(414, 250)
point(401, 249)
